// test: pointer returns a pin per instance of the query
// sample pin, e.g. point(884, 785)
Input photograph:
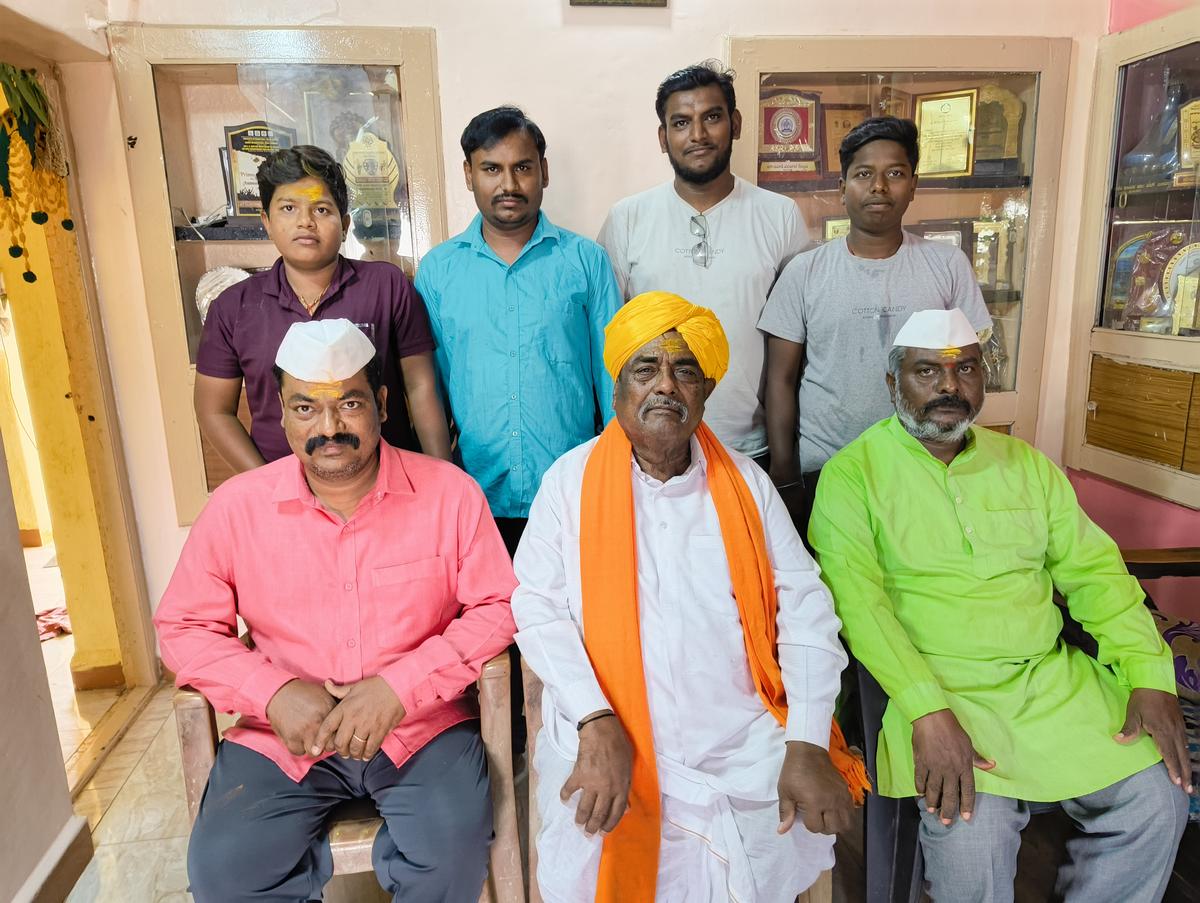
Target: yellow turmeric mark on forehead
point(332, 391)
point(673, 344)
point(313, 193)
point(950, 352)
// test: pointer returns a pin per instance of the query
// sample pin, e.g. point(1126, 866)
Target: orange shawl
point(608, 571)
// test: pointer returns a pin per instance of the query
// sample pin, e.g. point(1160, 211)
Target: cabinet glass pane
point(218, 121)
point(975, 172)
point(1152, 265)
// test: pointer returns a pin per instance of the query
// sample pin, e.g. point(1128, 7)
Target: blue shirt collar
point(472, 237)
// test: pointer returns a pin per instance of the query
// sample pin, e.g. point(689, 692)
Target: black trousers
point(260, 836)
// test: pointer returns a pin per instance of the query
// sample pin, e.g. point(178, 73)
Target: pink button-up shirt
point(414, 587)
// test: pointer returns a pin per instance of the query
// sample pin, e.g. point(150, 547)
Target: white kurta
point(719, 751)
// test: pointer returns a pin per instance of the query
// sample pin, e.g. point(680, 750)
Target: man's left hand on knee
point(367, 712)
point(1157, 713)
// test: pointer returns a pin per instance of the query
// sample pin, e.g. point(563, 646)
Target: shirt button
point(516, 432)
point(969, 531)
point(958, 499)
point(349, 586)
point(512, 354)
point(511, 308)
point(662, 525)
point(516, 467)
point(351, 643)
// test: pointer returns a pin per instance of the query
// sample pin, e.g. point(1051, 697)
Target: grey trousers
point(1123, 853)
point(260, 836)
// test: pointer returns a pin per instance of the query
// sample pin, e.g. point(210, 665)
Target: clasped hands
point(352, 720)
point(945, 758)
point(809, 786)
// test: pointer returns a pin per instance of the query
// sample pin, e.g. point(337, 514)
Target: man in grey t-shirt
point(835, 310)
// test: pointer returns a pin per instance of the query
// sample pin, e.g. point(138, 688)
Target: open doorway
point(83, 561)
point(76, 711)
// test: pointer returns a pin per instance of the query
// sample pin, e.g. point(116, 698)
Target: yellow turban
point(651, 314)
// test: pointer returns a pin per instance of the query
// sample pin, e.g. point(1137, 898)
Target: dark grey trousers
point(261, 836)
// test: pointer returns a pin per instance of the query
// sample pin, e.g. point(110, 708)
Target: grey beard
point(927, 429)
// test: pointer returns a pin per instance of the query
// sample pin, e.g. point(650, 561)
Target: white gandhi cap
point(324, 351)
point(937, 329)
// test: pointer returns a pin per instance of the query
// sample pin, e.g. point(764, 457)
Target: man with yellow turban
point(688, 649)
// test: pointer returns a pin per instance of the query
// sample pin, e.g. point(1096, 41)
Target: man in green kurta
point(942, 545)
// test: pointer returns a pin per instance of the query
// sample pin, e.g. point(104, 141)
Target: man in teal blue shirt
point(518, 307)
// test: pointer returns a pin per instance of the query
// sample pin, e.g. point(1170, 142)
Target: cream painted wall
point(588, 77)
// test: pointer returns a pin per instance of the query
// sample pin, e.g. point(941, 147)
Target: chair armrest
point(506, 879)
point(533, 725)
point(196, 723)
point(1148, 564)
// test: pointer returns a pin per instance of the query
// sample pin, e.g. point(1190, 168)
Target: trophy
point(1155, 159)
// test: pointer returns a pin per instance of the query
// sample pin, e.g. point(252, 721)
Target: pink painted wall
point(1124, 14)
point(1140, 521)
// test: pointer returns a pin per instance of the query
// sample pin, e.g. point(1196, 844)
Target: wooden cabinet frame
point(752, 57)
point(135, 51)
point(1088, 339)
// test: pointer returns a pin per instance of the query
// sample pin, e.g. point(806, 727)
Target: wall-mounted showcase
point(989, 113)
point(202, 108)
point(1134, 395)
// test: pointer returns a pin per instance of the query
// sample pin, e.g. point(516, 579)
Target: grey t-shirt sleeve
point(784, 314)
point(965, 293)
point(614, 238)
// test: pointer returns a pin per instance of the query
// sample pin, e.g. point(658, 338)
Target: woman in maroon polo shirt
point(305, 213)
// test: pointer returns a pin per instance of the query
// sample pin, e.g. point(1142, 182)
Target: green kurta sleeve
point(1086, 567)
point(842, 534)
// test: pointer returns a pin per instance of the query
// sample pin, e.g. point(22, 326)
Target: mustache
point(663, 402)
point(501, 198)
point(947, 401)
point(339, 438)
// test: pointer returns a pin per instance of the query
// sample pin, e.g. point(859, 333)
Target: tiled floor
point(75, 712)
point(136, 811)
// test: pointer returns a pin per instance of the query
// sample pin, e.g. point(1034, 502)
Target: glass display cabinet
point(202, 108)
point(990, 118)
point(1134, 399)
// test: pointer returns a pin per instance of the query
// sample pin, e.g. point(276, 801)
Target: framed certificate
point(246, 146)
point(837, 119)
point(946, 123)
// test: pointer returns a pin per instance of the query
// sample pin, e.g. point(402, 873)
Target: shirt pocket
point(410, 602)
point(1009, 539)
point(563, 332)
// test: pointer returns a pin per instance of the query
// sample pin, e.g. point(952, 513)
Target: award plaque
point(1120, 278)
point(787, 142)
point(1184, 315)
point(1189, 145)
point(946, 123)
point(957, 232)
point(836, 227)
point(248, 145)
point(837, 119)
point(998, 119)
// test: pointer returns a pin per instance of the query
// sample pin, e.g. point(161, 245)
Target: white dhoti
point(715, 847)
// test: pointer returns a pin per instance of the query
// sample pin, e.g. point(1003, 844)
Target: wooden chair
point(821, 892)
point(354, 826)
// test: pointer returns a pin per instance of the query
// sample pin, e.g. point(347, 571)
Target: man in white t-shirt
point(835, 311)
point(710, 237)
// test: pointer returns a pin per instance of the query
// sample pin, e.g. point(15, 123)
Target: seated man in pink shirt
point(374, 585)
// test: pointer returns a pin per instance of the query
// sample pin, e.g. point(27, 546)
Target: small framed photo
point(836, 227)
point(957, 232)
point(838, 120)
